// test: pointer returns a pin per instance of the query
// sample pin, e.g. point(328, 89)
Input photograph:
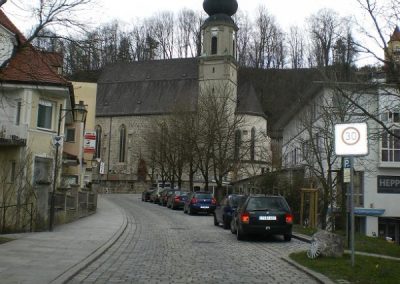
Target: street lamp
point(79, 113)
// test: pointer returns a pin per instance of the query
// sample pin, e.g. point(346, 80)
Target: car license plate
point(267, 218)
point(204, 207)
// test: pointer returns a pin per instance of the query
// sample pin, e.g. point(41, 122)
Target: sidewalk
point(53, 257)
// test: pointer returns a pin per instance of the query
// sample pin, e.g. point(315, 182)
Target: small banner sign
point(89, 145)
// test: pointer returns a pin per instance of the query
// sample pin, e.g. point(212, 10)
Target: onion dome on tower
point(227, 7)
point(220, 11)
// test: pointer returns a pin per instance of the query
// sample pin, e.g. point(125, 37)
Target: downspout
point(109, 148)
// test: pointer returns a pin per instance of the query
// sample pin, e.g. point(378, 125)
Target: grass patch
point(362, 243)
point(5, 240)
point(367, 270)
point(376, 245)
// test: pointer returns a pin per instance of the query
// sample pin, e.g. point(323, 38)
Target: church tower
point(392, 56)
point(218, 65)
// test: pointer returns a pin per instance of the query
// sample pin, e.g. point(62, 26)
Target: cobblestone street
point(165, 246)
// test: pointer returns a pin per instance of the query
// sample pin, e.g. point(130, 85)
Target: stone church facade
point(132, 97)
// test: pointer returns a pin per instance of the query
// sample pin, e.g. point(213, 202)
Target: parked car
point(199, 202)
point(177, 199)
point(225, 209)
point(146, 194)
point(164, 196)
point(263, 215)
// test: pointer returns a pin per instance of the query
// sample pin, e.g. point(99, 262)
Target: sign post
point(351, 140)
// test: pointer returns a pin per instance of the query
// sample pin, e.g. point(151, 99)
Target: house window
point(70, 135)
point(391, 117)
point(214, 45)
point(45, 114)
point(13, 171)
point(253, 144)
point(18, 117)
point(122, 143)
point(98, 141)
point(238, 140)
point(390, 150)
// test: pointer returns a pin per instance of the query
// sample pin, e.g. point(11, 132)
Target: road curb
point(76, 268)
point(303, 238)
point(320, 278)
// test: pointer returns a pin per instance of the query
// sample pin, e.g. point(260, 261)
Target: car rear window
point(237, 200)
point(203, 195)
point(181, 193)
point(267, 203)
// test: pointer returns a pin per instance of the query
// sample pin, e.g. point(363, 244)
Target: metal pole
point(352, 209)
point(52, 209)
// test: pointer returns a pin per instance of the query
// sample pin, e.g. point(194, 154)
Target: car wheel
point(225, 224)
point(233, 230)
point(215, 221)
point(190, 211)
point(239, 235)
point(287, 237)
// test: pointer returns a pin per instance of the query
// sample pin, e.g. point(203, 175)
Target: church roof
point(147, 87)
point(248, 102)
point(159, 86)
point(278, 89)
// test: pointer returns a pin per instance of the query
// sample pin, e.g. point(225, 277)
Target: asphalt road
point(160, 245)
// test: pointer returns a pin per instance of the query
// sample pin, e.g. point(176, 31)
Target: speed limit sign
point(351, 139)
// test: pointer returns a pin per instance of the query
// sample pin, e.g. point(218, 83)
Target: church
point(132, 96)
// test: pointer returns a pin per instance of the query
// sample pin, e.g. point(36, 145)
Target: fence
point(16, 218)
point(72, 205)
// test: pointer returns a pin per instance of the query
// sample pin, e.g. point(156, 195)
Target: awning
point(368, 212)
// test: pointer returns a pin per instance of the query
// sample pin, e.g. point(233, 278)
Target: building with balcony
point(31, 95)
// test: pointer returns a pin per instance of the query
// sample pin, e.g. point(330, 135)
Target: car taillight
point(213, 201)
point(177, 198)
point(245, 217)
point(193, 201)
point(289, 218)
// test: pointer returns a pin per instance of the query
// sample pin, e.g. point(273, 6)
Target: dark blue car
point(224, 211)
point(199, 202)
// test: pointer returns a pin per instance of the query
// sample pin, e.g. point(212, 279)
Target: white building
point(308, 144)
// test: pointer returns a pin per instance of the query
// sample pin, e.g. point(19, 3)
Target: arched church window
point(122, 143)
point(98, 141)
point(253, 144)
point(214, 45)
point(234, 49)
point(238, 141)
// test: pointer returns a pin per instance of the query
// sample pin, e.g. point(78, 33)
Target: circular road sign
point(351, 139)
point(351, 136)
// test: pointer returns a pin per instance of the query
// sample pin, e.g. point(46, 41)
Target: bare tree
point(188, 30)
point(54, 15)
point(296, 47)
point(267, 45)
point(243, 38)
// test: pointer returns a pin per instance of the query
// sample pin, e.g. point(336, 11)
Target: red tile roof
point(27, 65)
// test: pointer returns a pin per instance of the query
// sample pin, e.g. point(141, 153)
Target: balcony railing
point(13, 135)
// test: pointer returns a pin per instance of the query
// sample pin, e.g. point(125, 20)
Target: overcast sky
point(286, 12)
